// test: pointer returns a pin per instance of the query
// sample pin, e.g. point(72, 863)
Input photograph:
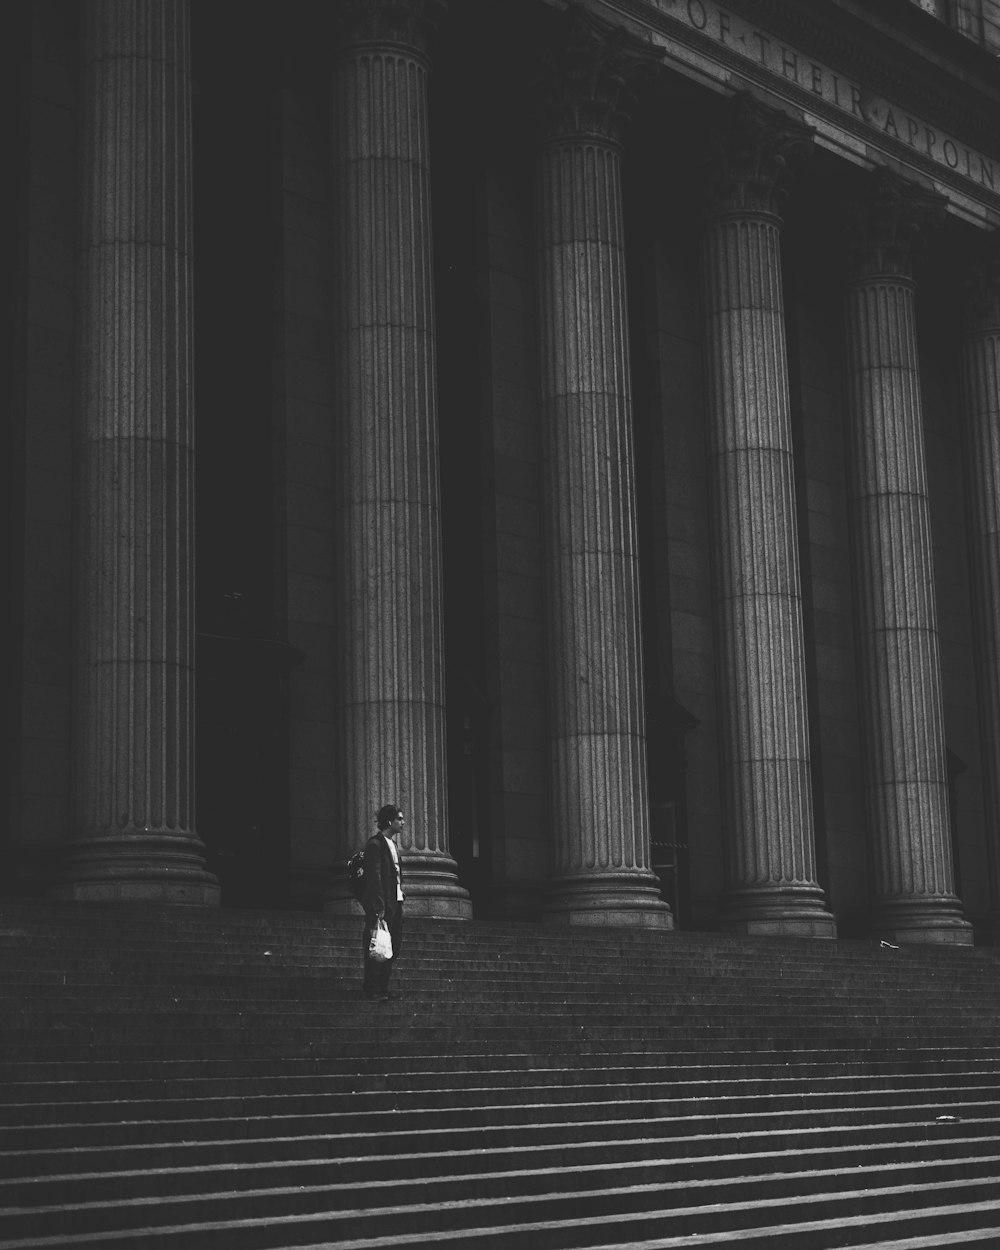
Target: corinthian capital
point(587, 76)
point(751, 155)
point(887, 221)
point(406, 23)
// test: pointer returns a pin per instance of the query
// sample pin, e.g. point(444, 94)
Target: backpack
point(356, 875)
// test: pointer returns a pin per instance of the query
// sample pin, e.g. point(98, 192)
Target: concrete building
point(577, 423)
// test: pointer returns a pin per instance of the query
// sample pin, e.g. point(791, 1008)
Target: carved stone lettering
point(791, 66)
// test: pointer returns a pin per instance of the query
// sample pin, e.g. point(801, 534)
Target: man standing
point(383, 898)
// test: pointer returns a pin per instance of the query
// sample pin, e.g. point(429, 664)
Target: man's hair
point(386, 814)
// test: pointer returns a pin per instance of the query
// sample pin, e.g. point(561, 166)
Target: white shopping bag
point(380, 947)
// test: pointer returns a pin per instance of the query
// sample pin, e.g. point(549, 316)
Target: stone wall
point(813, 292)
point(39, 800)
point(939, 356)
point(303, 448)
point(511, 474)
point(682, 551)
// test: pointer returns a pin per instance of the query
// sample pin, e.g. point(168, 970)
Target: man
point(383, 898)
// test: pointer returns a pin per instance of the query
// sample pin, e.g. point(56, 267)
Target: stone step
point(40, 926)
point(509, 1195)
point(970, 1237)
point(394, 1047)
point(25, 1097)
point(560, 1220)
point(98, 968)
point(428, 981)
point(473, 1065)
point(442, 1006)
point(444, 998)
point(707, 1099)
point(355, 1019)
point(122, 993)
point(659, 1096)
point(496, 1122)
point(781, 1058)
point(276, 1043)
point(468, 941)
point(580, 1142)
point(185, 1078)
point(977, 1225)
point(319, 1031)
point(866, 984)
point(620, 1159)
point(152, 917)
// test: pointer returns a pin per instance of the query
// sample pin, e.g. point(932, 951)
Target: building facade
point(577, 423)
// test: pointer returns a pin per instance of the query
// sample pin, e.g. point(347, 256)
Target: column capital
point(751, 154)
point(887, 220)
point(409, 24)
point(586, 77)
point(982, 286)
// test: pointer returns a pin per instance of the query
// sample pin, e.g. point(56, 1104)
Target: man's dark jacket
point(380, 877)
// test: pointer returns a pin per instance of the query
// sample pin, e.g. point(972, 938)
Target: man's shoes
point(382, 998)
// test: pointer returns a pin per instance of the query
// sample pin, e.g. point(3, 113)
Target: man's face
point(396, 825)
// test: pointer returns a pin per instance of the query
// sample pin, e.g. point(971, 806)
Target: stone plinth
point(900, 700)
point(599, 799)
point(391, 746)
point(133, 728)
point(771, 884)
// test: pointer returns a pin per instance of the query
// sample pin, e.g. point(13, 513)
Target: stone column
point(133, 726)
point(980, 365)
point(599, 800)
point(391, 745)
point(771, 882)
point(898, 658)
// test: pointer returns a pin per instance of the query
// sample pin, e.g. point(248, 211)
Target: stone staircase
point(185, 1079)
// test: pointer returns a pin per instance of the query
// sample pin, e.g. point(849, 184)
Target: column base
point(142, 867)
point(430, 883)
point(611, 899)
point(922, 922)
point(778, 913)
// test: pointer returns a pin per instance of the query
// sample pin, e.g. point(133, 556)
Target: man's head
point(390, 819)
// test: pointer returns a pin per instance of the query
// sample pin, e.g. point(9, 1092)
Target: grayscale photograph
point(501, 675)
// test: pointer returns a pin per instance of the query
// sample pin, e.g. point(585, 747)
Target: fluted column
point(898, 656)
point(771, 882)
point(391, 746)
point(599, 800)
point(981, 429)
point(133, 725)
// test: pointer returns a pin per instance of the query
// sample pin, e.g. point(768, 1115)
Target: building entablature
point(906, 106)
